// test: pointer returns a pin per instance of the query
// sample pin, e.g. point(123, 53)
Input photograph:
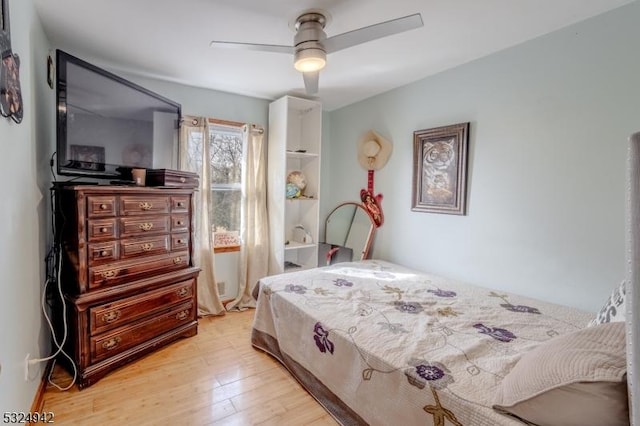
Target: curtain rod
point(257, 129)
point(252, 127)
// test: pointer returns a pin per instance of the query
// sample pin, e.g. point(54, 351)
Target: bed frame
point(633, 279)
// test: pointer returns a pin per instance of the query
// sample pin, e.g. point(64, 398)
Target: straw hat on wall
point(373, 151)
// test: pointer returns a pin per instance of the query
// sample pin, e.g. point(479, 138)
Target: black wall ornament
point(10, 92)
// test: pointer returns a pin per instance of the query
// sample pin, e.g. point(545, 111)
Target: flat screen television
point(107, 125)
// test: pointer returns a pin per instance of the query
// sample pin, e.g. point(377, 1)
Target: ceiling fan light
point(309, 60)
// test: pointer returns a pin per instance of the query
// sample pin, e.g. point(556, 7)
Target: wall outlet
point(222, 288)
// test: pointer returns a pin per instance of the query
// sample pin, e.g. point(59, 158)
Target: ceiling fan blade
point(311, 80)
point(275, 48)
point(372, 32)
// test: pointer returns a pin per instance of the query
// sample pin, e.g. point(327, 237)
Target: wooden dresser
point(126, 275)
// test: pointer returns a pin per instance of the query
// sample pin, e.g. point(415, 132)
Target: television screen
point(108, 125)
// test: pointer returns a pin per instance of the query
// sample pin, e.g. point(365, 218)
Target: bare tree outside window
point(225, 162)
point(226, 152)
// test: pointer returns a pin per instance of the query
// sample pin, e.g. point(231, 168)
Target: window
point(226, 152)
point(226, 158)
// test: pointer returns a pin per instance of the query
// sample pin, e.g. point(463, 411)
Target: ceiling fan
point(311, 45)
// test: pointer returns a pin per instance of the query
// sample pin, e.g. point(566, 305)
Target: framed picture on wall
point(440, 169)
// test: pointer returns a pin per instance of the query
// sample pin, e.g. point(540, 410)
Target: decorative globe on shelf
point(298, 179)
point(293, 191)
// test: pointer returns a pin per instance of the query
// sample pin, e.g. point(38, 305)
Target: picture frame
point(440, 169)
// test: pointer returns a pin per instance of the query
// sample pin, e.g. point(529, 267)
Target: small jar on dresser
point(127, 277)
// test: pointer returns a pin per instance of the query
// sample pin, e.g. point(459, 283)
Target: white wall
point(549, 124)
point(24, 215)
point(227, 265)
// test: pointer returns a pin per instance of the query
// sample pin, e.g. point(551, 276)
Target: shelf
point(294, 245)
point(294, 154)
point(295, 142)
point(302, 199)
point(292, 267)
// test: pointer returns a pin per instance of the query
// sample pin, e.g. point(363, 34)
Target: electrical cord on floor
point(54, 270)
point(59, 345)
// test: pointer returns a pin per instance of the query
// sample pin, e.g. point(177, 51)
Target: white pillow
point(613, 310)
point(577, 379)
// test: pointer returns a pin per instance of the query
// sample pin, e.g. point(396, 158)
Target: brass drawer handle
point(182, 315)
point(111, 343)
point(180, 204)
point(111, 316)
point(103, 206)
point(179, 222)
point(177, 260)
point(146, 226)
point(181, 241)
point(108, 274)
point(146, 246)
point(145, 205)
point(183, 180)
point(104, 253)
point(103, 229)
point(182, 292)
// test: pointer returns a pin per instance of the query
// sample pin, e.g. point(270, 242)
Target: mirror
point(348, 234)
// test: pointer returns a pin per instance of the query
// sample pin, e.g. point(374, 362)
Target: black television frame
point(92, 170)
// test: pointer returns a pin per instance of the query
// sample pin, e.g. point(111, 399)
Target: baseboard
point(38, 399)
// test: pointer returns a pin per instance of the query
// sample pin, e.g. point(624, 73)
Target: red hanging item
point(372, 202)
point(373, 154)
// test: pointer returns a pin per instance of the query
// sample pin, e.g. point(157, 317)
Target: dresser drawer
point(103, 252)
point(101, 229)
point(112, 315)
point(148, 246)
point(128, 336)
point(179, 204)
point(136, 226)
point(125, 271)
point(179, 241)
point(179, 222)
point(101, 206)
point(149, 204)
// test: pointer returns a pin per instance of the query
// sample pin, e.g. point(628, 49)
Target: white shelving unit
point(295, 133)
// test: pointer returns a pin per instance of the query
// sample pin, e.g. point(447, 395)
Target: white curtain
point(254, 232)
point(194, 157)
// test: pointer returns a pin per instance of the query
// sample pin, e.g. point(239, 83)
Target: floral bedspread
point(376, 343)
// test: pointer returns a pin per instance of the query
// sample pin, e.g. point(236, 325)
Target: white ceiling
point(169, 39)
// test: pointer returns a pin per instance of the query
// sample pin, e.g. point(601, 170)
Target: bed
point(377, 343)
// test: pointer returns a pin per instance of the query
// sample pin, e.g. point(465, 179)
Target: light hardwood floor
point(216, 377)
